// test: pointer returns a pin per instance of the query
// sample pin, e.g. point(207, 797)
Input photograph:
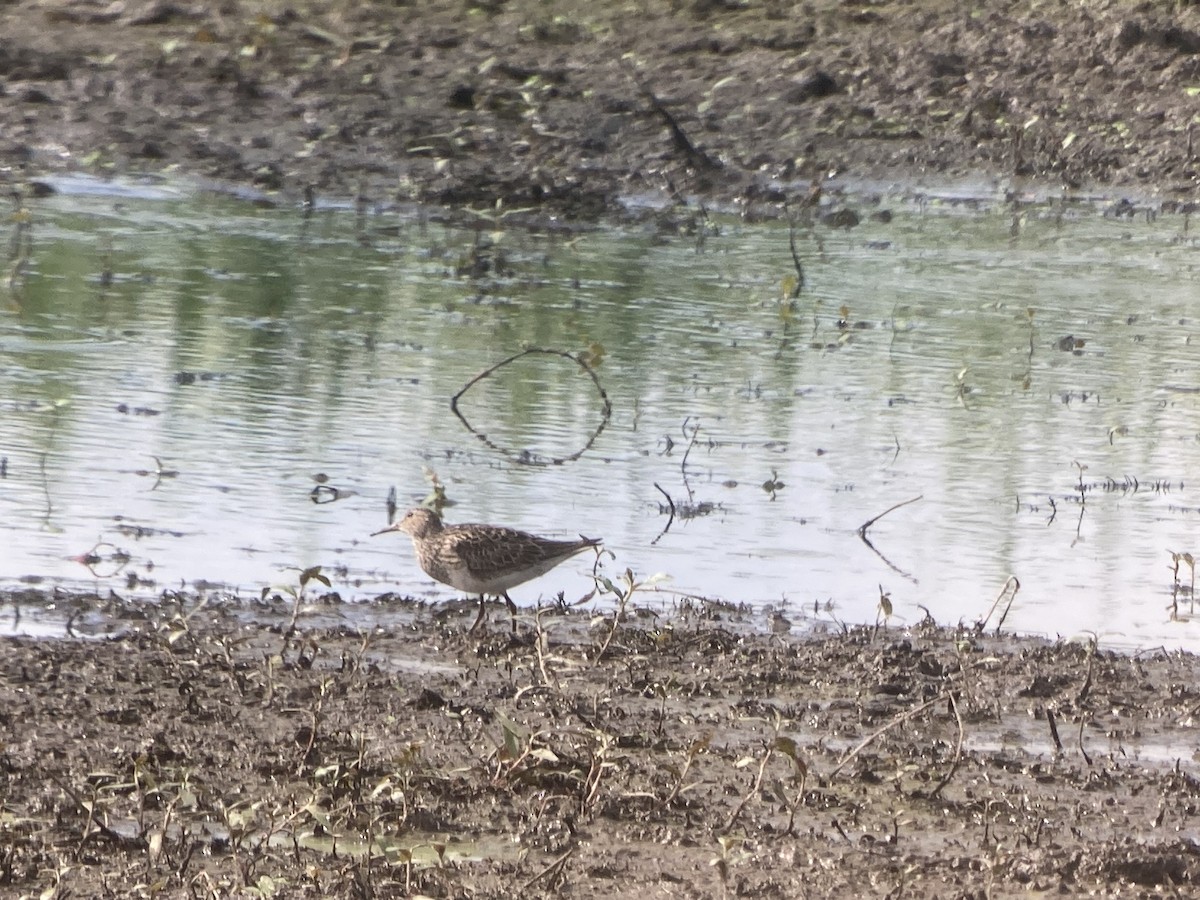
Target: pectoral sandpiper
point(483, 559)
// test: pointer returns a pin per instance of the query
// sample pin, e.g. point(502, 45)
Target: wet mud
point(234, 748)
point(570, 107)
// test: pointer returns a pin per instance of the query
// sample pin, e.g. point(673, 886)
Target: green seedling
point(296, 592)
point(623, 593)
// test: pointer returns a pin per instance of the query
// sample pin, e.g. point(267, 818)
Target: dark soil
point(569, 106)
point(187, 750)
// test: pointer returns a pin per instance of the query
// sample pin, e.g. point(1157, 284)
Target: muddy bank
point(228, 748)
point(569, 106)
point(231, 749)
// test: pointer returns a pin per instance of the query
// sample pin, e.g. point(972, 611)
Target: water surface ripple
point(173, 422)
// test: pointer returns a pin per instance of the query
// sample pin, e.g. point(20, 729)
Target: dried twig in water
point(1015, 584)
point(524, 458)
point(671, 505)
point(892, 342)
point(683, 462)
point(1027, 380)
point(862, 529)
point(795, 258)
point(45, 486)
point(862, 533)
point(21, 243)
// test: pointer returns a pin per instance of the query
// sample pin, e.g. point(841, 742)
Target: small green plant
point(521, 751)
point(436, 498)
point(788, 748)
point(179, 625)
point(777, 744)
point(312, 573)
point(623, 593)
point(599, 764)
point(694, 749)
point(728, 844)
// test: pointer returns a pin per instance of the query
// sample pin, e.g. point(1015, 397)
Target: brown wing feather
point(487, 551)
point(496, 550)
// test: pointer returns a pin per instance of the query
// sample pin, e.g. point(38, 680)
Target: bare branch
point(525, 458)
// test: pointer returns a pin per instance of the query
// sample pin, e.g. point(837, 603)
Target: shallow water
point(174, 422)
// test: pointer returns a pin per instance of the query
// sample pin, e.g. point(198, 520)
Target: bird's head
point(417, 523)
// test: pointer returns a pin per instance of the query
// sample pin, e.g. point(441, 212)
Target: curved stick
point(666, 527)
point(862, 529)
point(526, 459)
point(937, 789)
point(683, 462)
point(896, 720)
point(1013, 582)
point(862, 533)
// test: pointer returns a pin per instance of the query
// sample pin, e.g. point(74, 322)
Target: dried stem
point(903, 717)
point(937, 789)
point(524, 458)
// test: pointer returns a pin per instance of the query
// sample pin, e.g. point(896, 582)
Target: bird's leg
point(512, 610)
point(479, 618)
